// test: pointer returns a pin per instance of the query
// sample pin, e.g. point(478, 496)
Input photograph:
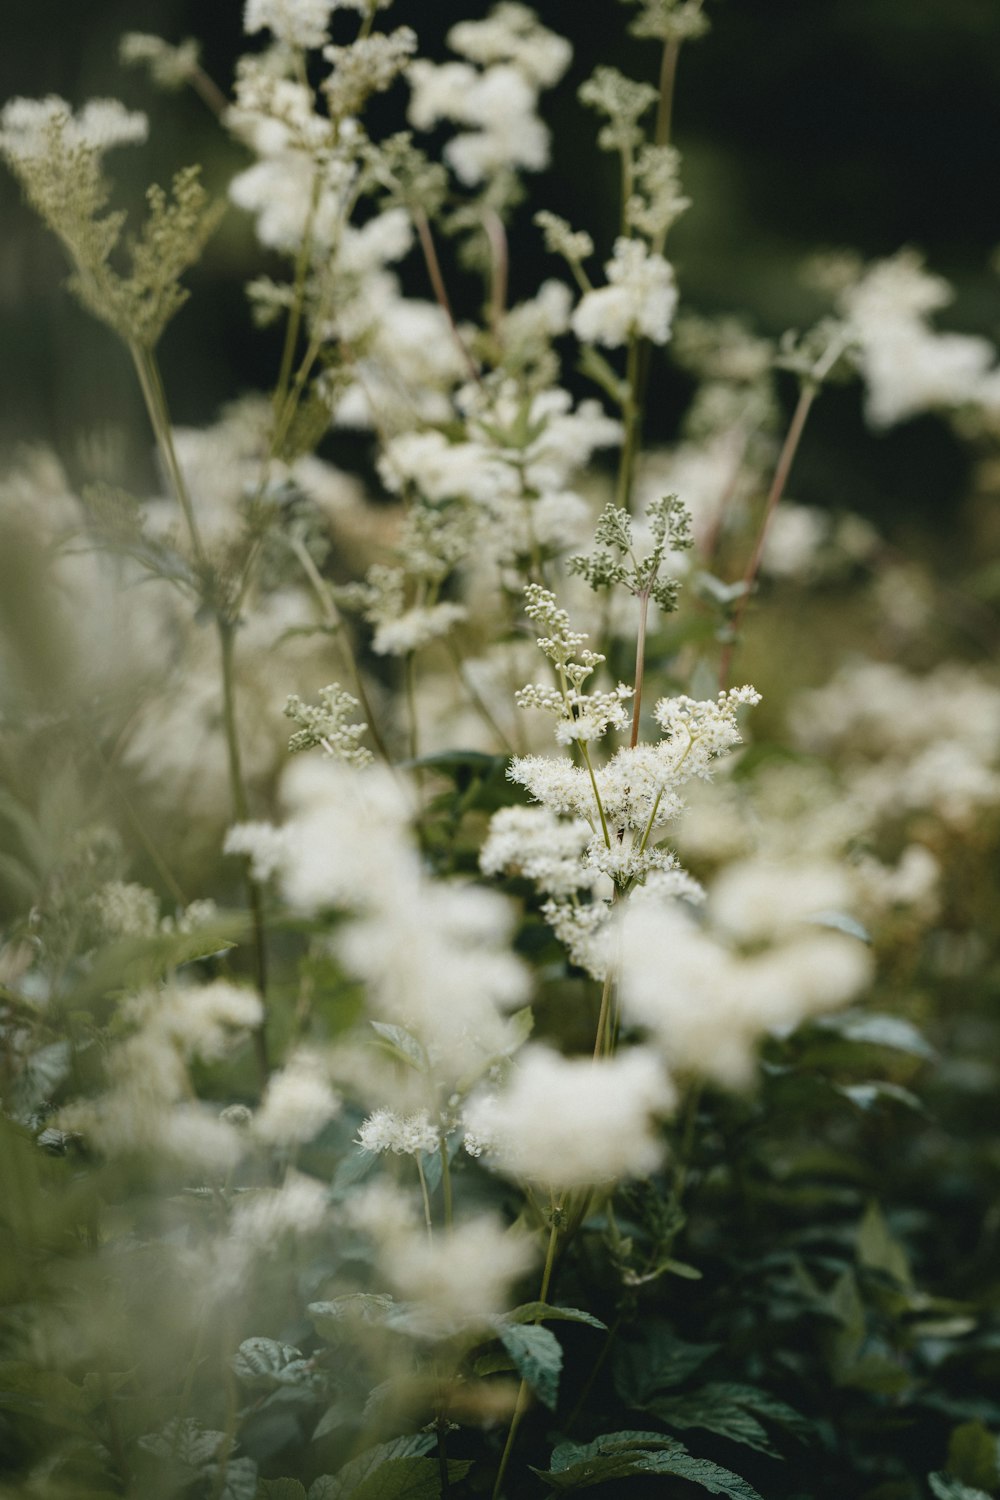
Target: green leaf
point(401, 1045)
point(391, 1471)
point(241, 1480)
point(185, 1442)
point(537, 1357)
point(867, 1096)
point(621, 1455)
point(714, 1413)
point(264, 1363)
point(878, 1030)
point(973, 1455)
point(945, 1488)
point(878, 1250)
point(281, 1489)
point(335, 1321)
point(546, 1312)
point(659, 1363)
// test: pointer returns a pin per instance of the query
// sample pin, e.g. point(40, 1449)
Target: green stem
point(521, 1404)
point(789, 448)
point(409, 679)
point(632, 413)
point(238, 793)
point(423, 228)
point(605, 1011)
point(585, 754)
point(153, 394)
point(298, 301)
point(446, 1189)
point(428, 1222)
point(640, 662)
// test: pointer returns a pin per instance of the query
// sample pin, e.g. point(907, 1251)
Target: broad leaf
point(335, 1320)
point(348, 1484)
point(537, 1357)
point(624, 1454)
point(546, 1312)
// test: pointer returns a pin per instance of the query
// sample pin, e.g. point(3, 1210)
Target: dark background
point(804, 124)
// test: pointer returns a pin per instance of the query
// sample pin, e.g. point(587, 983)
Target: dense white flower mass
point(707, 1005)
point(30, 128)
point(297, 1103)
point(908, 367)
point(565, 1122)
point(300, 23)
point(461, 1278)
point(406, 1135)
point(639, 299)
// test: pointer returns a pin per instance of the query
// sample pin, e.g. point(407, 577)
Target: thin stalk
point(496, 234)
point(605, 1012)
point(298, 302)
point(632, 413)
point(151, 386)
point(409, 678)
point(238, 793)
point(208, 91)
point(426, 238)
point(789, 448)
point(428, 1221)
point(640, 663)
point(585, 755)
point(322, 591)
point(521, 1404)
point(668, 83)
point(478, 702)
point(446, 1190)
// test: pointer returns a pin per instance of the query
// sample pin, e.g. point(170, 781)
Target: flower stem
point(640, 662)
point(423, 228)
point(789, 448)
point(428, 1222)
point(446, 1183)
point(632, 415)
point(585, 753)
point(521, 1404)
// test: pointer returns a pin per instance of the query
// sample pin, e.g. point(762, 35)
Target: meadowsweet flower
point(125, 909)
point(535, 843)
point(565, 1122)
point(407, 1135)
point(512, 33)
point(265, 846)
point(31, 130)
point(298, 1102)
point(299, 23)
point(263, 1218)
point(460, 1279)
point(639, 299)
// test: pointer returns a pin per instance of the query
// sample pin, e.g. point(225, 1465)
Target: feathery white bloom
point(759, 899)
point(707, 1007)
point(533, 842)
point(299, 23)
point(459, 1279)
point(126, 909)
point(261, 1219)
point(407, 1135)
point(570, 1122)
point(639, 299)
point(502, 104)
point(27, 127)
point(512, 33)
point(415, 627)
point(297, 1103)
point(265, 846)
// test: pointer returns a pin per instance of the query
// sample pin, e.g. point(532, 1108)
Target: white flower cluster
point(406, 1135)
point(907, 365)
point(705, 1003)
point(638, 301)
point(30, 129)
point(495, 94)
point(148, 1109)
point(563, 1123)
point(298, 1102)
point(434, 956)
point(909, 742)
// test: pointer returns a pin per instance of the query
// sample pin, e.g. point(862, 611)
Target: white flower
point(511, 33)
point(27, 127)
point(265, 846)
point(757, 898)
point(297, 1103)
point(125, 909)
point(570, 1122)
point(415, 628)
point(533, 842)
point(639, 299)
point(262, 1218)
point(461, 1278)
point(407, 1135)
point(300, 23)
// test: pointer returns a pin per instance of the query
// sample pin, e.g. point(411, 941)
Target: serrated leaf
point(877, 1030)
point(335, 1320)
point(946, 1488)
point(262, 1363)
point(659, 1363)
point(349, 1483)
point(547, 1312)
point(186, 1442)
point(282, 1489)
point(622, 1455)
point(537, 1356)
point(716, 1413)
point(401, 1044)
point(241, 1480)
point(973, 1455)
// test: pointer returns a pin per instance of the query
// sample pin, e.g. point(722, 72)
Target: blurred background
point(867, 124)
